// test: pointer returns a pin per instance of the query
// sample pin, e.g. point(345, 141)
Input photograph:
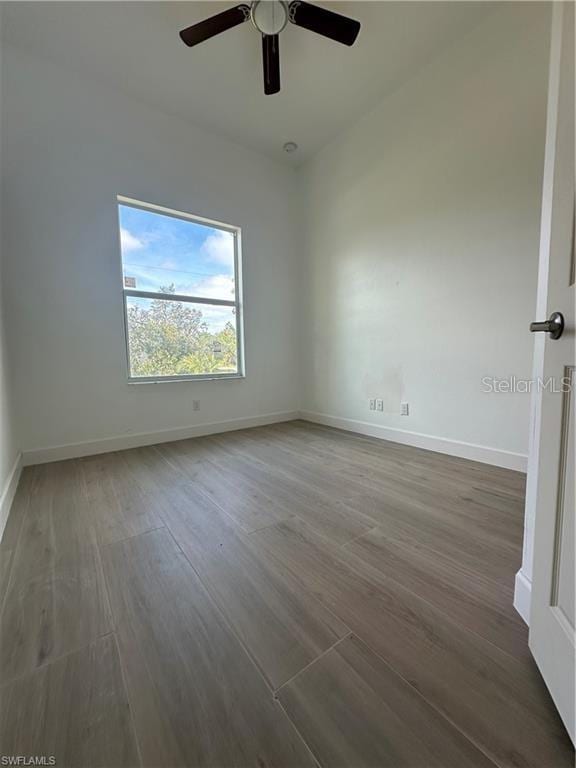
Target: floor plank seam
point(498, 586)
point(249, 655)
point(282, 568)
point(385, 577)
point(256, 530)
point(310, 664)
point(320, 535)
point(491, 758)
point(128, 700)
point(201, 492)
point(103, 544)
point(345, 544)
point(316, 759)
point(165, 459)
point(358, 569)
point(84, 490)
point(221, 613)
point(50, 662)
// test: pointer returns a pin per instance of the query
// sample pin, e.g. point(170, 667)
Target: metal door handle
point(554, 325)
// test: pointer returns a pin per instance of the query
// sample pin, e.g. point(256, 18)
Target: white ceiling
point(135, 47)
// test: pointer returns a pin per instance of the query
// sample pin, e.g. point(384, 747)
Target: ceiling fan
point(270, 17)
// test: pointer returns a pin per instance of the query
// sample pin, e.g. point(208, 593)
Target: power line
point(180, 271)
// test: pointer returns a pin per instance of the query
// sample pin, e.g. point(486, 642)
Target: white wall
point(70, 146)
point(8, 446)
point(9, 454)
point(420, 263)
point(417, 272)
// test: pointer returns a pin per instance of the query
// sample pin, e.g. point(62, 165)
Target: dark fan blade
point(324, 22)
point(271, 63)
point(215, 24)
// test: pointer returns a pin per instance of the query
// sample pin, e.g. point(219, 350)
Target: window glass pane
point(164, 253)
point(179, 338)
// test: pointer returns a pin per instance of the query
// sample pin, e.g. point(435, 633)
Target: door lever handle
point(554, 325)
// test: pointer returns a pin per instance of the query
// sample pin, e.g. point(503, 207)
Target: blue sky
point(158, 250)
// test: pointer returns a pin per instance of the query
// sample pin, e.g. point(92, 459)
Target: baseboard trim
point(123, 442)
point(522, 595)
point(9, 491)
point(481, 453)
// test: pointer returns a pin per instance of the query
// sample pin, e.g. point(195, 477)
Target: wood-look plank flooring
point(56, 600)
point(289, 595)
point(73, 710)
point(195, 695)
point(283, 626)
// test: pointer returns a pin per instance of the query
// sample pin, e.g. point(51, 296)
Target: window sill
point(189, 379)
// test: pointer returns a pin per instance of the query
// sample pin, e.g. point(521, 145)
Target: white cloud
point(219, 247)
point(215, 287)
point(217, 317)
point(129, 242)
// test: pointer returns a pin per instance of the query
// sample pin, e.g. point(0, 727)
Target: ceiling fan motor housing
point(269, 16)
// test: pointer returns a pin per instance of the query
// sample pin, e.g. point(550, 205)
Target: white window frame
point(236, 302)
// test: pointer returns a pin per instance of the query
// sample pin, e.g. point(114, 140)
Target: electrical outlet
point(379, 405)
point(372, 404)
point(404, 410)
point(195, 405)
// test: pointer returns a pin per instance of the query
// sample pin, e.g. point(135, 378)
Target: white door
point(552, 618)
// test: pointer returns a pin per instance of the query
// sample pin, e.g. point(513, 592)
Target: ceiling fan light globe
point(269, 16)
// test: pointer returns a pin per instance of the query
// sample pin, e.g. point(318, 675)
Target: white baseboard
point(522, 595)
point(482, 453)
point(122, 442)
point(9, 491)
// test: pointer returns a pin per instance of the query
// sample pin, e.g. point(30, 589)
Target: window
point(181, 282)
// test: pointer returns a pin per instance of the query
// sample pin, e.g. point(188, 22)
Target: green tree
point(169, 338)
